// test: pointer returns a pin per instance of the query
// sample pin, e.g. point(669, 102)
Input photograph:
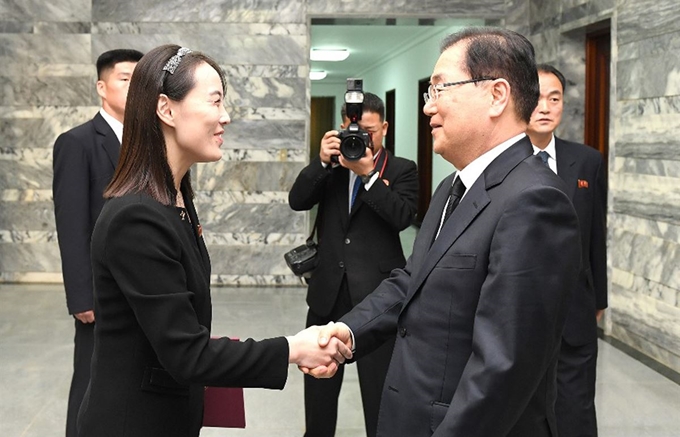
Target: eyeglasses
point(433, 91)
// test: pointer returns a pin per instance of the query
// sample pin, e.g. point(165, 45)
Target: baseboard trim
point(639, 356)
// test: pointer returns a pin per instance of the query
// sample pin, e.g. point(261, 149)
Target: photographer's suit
point(85, 158)
point(357, 251)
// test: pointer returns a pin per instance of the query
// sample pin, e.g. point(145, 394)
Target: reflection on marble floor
point(35, 364)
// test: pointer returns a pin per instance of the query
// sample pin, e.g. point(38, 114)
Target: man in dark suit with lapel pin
point(363, 205)
point(581, 168)
point(480, 306)
point(84, 160)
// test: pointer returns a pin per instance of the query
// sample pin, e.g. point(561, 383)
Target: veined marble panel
point(647, 128)
point(646, 287)
point(21, 237)
point(30, 257)
point(575, 13)
point(50, 28)
point(649, 257)
point(641, 19)
point(248, 176)
point(27, 216)
point(29, 91)
point(544, 16)
point(37, 158)
point(646, 324)
point(546, 45)
point(517, 16)
point(225, 29)
point(15, 27)
point(655, 167)
point(23, 134)
point(654, 46)
point(278, 71)
point(251, 218)
point(272, 92)
point(12, 195)
point(31, 277)
point(248, 260)
point(266, 134)
point(237, 11)
point(395, 8)
point(54, 10)
point(243, 239)
point(253, 155)
point(657, 149)
point(34, 49)
point(38, 127)
point(288, 280)
point(601, 5)
point(246, 49)
point(264, 113)
point(23, 177)
point(642, 226)
point(635, 78)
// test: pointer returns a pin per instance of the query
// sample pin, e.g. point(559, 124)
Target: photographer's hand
point(361, 166)
point(330, 146)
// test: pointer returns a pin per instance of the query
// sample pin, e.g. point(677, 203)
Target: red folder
point(223, 407)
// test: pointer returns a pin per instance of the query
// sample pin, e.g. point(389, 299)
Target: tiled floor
point(36, 347)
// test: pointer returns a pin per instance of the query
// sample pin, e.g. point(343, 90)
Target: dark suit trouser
point(82, 357)
point(575, 406)
point(321, 395)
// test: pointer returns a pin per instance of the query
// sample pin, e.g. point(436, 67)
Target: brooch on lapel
point(582, 183)
point(199, 229)
point(387, 183)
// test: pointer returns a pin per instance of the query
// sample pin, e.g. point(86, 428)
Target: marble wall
point(47, 86)
point(644, 155)
point(47, 82)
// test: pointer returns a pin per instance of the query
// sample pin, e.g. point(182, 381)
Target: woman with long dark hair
point(153, 351)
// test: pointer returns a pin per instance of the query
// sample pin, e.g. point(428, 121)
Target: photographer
point(359, 246)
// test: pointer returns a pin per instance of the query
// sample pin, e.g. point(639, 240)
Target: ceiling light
point(317, 74)
point(328, 54)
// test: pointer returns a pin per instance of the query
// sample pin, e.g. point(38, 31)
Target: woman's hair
point(143, 163)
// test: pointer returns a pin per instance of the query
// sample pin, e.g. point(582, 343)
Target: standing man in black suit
point(581, 168)
point(480, 306)
point(85, 158)
point(358, 247)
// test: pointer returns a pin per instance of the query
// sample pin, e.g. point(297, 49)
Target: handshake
point(319, 350)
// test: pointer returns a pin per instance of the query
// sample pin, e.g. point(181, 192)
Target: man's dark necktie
point(455, 193)
point(355, 190)
point(544, 157)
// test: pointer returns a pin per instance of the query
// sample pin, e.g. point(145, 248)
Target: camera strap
point(316, 223)
point(381, 161)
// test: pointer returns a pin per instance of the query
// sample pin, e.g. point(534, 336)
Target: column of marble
point(645, 181)
point(47, 85)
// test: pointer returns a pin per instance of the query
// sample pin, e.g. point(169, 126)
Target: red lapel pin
point(582, 183)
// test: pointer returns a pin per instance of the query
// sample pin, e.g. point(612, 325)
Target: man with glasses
point(363, 205)
point(581, 168)
point(479, 308)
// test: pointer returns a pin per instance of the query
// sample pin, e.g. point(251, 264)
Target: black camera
point(354, 140)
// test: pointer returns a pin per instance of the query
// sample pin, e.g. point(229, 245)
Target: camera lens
point(353, 147)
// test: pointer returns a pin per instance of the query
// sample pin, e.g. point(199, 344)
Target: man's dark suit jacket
point(479, 314)
point(153, 354)
point(580, 167)
point(84, 160)
point(364, 244)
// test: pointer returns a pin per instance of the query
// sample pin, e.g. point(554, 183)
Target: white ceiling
point(370, 42)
